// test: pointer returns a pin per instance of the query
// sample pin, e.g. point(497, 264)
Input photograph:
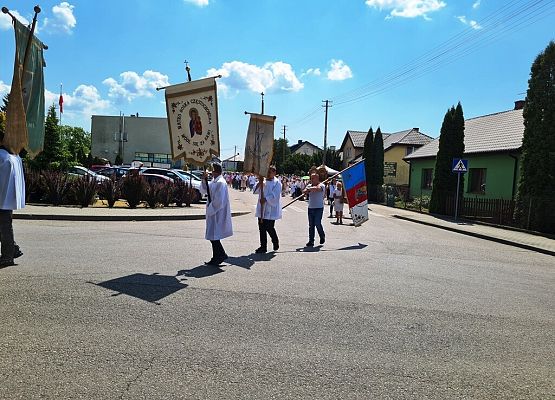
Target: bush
point(133, 187)
point(181, 193)
point(34, 190)
point(166, 194)
point(420, 203)
point(152, 194)
point(109, 190)
point(84, 190)
point(57, 185)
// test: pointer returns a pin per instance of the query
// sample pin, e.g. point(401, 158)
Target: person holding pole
point(268, 209)
point(315, 208)
point(218, 213)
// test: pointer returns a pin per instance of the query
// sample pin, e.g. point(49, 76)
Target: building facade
point(134, 138)
point(304, 147)
point(493, 149)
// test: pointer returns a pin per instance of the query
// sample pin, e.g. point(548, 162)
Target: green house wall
point(500, 173)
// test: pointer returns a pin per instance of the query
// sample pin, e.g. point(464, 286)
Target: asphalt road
point(390, 310)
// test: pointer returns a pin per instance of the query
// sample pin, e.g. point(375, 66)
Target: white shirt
point(218, 211)
point(12, 182)
point(272, 194)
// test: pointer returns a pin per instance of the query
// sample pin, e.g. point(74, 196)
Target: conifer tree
point(367, 154)
point(53, 153)
point(537, 179)
point(377, 166)
point(451, 145)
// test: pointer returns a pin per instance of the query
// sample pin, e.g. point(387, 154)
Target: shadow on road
point(202, 271)
point(249, 260)
point(151, 288)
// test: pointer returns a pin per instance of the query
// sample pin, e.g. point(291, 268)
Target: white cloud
point(4, 89)
point(200, 3)
point(271, 77)
point(312, 71)
point(339, 71)
point(85, 100)
point(6, 20)
point(476, 4)
point(407, 8)
point(473, 24)
point(133, 85)
point(63, 17)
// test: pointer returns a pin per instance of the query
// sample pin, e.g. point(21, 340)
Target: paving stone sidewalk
point(240, 205)
point(510, 237)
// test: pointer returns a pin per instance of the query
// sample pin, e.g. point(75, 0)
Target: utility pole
point(327, 105)
point(284, 143)
point(262, 94)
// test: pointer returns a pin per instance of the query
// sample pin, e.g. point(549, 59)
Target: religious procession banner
point(259, 146)
point(192, 110)
point(354, 181)
point(25, 114)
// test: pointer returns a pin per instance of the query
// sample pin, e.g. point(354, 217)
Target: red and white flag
point(61, 103)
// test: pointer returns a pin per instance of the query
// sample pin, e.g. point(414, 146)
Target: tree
point(367, 154)
point(376, 165)
point(451, 145)
point(118, 160)
point(280, 145)
point(297, 164)
point(52, 154)
point(333, 159)
point(534, 204)
point(5, 101)
point(76, 144)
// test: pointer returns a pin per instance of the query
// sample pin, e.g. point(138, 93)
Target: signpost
point(460, 166)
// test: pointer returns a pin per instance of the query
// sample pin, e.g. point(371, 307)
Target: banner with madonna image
point(192, 110)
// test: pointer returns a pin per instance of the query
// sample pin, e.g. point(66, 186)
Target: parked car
point(98, 167)
point(82, 171)
point(177, 174)
point(155, 178)
point(198, 174)
point(110, 171)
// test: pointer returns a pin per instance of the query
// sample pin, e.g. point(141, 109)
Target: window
point(477, 183)
point(409, 149)
point(427, 178)
point(153, 157)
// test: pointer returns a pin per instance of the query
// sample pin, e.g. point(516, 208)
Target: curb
point(479, 235)
point(115, 218)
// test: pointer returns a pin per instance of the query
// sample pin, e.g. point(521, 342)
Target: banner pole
point(331, 177)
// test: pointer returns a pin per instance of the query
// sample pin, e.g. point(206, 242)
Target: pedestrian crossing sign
point(460, 165)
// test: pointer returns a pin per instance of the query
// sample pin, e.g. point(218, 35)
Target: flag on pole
point(61, 101)
point(192, 110)
point(354, 180)
point(259, 146)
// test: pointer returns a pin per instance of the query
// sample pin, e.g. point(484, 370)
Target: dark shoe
point(276, 246)
point(261, 250)
point(322, 240)
point(310, 244)
point(6, 263)
point(18, 253)
point(214, 262)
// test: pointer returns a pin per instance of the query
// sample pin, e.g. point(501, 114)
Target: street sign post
point(460, 166)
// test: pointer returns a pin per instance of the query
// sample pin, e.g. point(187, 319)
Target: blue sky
point(396, 64)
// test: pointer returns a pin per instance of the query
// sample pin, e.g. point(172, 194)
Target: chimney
point(519, 104)
point(300, 142)
point(416, 129)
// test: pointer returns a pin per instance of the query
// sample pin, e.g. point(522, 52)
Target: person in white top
point(12, 197)
point(338, 203)
point(218, 214)
point(268, 209)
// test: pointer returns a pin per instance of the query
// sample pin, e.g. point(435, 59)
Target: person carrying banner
point(268, 209)
point(218, 213)
point(12, 197)
point(315, 209)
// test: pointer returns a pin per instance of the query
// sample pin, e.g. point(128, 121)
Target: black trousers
point(267, 226)
point(6, 235)
point(218, 251)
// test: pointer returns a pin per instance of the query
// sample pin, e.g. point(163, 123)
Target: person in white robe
point(268, 209)
point(218, 214)
point(12, 197)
